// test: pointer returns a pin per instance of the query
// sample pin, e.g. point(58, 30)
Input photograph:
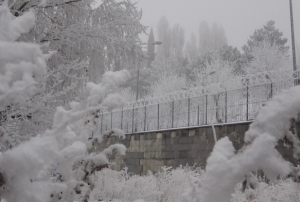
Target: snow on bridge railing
point(234, 101)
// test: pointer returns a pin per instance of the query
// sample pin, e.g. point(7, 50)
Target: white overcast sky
point(238, 17)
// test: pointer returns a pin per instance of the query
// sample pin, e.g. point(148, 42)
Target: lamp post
point(293, 37)
point(138, 69)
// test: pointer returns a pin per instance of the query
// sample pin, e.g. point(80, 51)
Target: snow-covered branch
point(25, 169)
point(225, 168)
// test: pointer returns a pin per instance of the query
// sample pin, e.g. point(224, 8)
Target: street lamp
point(155, 43)
point(138, 69)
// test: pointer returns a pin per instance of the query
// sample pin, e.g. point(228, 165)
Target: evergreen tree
point(191, 47)
point(164, 35)
point(267, 33)
point(230, 53)
point(211, 39)
point(205, 38)
point(177, 41)
point(219, 38)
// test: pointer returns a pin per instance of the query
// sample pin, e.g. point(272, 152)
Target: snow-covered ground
point(26, 166)
point(175, 185)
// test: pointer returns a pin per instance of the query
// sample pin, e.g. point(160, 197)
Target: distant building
point(151, 49)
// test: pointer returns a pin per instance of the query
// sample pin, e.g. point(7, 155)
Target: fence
point(192, 109)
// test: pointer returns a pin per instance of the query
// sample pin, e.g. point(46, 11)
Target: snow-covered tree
point(164, 34)
point(169, 66)
point(219, 38)
point(26, 167)
point(22, 65)
point(298, 55)
point(205, 38)
point(211, 39)
point(89, 41)
point(227, 54)
point(230, 53)
point(191, 48)
point(217, 70)
point(269, 34)
point(226, 167)
point(267, 58)
point(177, 41)
point(172, 39)
point(168, 84)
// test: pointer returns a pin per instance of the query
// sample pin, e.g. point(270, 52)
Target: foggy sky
point(238, 17)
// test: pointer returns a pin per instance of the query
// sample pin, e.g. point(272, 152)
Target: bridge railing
point(192, 109)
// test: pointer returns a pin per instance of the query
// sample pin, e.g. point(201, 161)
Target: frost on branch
point(110, 82)
point(11, 29)
point(267, 57)
point(63, 148)
point(225, 168)
point(26, 169)
point(88, 41)
point(114, 132)
point(21, 64)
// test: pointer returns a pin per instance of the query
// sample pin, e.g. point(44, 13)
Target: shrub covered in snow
point(226, 167)
point(21, 64)
point(283, 190)
point(25, 169)
point(182, 184)
point(167, 185)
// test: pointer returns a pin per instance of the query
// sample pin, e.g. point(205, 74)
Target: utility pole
point(293, 37)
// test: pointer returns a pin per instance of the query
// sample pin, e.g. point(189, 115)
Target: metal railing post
point(173, 114)
point(205, 109)
point(295, 77)
point(271, 90)
point(198, 115)
point(101, 121)
point(122, 119)
point(225, 106)
point(111, 120)
point(189, 106)
point(157, 116)
point(247, 107)
point(132, 119)
point(145, 118)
